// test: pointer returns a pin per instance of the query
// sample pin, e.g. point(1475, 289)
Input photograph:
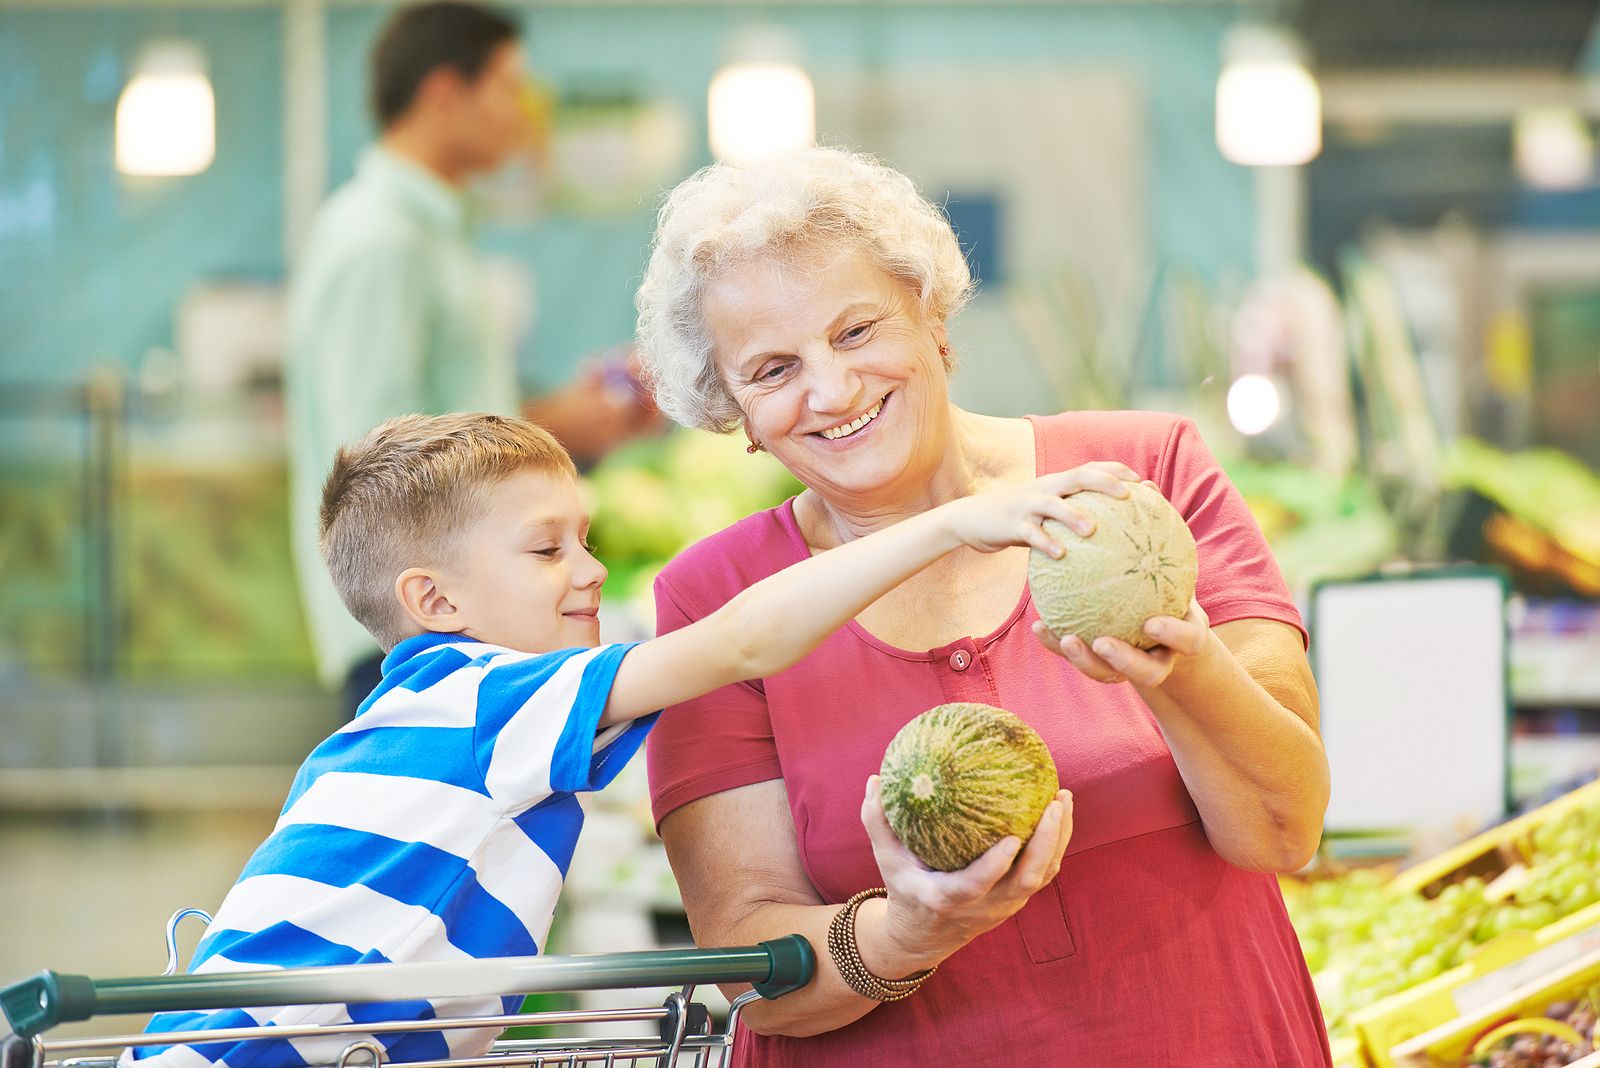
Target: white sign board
point(1412, 676)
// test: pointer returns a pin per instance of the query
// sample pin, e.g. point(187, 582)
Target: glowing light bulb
point(167, 116)
point(1253, 404)
point(1553, 148)
point(755, 109)
point(1269, 109)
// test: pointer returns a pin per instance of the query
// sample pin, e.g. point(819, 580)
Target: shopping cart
point(678, 1032)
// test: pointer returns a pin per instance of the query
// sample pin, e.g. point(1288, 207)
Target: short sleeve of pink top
point(1149, 948)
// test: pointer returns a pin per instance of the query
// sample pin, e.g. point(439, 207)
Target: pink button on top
point(960, 659)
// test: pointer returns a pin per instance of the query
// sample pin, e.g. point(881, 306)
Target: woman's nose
point(835, 386)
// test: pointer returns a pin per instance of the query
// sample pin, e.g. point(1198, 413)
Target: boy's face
point(526, 579)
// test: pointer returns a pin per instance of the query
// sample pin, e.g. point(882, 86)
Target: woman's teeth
point(834, 433)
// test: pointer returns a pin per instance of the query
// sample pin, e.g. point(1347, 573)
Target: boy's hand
point(1014, 515)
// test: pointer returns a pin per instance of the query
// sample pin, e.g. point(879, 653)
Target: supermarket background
point(1384, 314)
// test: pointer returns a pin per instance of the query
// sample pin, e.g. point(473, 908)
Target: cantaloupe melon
point(1139, 562)
point(962, 776)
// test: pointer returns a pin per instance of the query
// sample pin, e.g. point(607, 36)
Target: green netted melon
point(1139, 563)
point(960, 777)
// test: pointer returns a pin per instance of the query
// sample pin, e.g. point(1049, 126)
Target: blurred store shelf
point(1555, 670)
point(245, 722)
point(146, 791)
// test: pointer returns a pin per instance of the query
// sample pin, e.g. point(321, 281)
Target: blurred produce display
point(44, 571)
point(1320, 526)
point(1543, 518)
point(209, 577)
point(1367, 937)
point(204, 585)
point(650, 499)
point(1364, 941)
point(1563, 1034)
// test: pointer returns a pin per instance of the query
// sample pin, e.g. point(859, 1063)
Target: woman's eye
point(857, 332)
point(772, 373)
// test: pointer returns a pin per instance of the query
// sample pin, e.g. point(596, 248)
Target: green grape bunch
point(1365, 941)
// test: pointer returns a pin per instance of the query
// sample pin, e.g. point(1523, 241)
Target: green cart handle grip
point(794, 963)
point(47, 999)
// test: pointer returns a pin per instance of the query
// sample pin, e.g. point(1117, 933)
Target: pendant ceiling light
point(762, 101)
point(1269, 110)
point(1553, 148)
point(167, 115)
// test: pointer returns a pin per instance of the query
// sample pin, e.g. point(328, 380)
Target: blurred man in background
point(388, 310)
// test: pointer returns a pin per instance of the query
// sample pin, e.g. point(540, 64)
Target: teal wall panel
point(91, 269)
point(92, 265)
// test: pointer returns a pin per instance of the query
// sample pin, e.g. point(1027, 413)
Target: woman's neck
point(975, 455)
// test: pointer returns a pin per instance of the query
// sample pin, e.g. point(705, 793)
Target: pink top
point(1148, 948)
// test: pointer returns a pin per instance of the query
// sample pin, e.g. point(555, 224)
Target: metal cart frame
point(681, 1027)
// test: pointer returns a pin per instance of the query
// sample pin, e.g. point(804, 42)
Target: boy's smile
point(524, 577)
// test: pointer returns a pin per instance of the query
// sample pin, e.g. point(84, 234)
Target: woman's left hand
point(1112, 660)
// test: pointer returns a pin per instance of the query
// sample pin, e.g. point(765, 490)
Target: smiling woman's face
point(836, 371)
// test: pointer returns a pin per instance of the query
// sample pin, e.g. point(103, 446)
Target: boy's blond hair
point(404, 494)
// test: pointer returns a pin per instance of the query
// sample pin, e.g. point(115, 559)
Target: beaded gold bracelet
point(847, 956)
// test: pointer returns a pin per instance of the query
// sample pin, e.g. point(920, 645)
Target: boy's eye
point(588, 546)
point(548, 552)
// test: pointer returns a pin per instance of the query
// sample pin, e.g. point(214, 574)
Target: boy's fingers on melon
point(1031, 534)
point(1074, 519)
point(1103, 478)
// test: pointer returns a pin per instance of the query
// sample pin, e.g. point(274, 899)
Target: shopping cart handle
point(794, 962)
point(774, 968)
point(47, 999)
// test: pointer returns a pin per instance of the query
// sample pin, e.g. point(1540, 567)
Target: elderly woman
point(806, 300)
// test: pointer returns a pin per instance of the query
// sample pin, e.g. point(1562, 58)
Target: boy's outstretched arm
point(780, 619)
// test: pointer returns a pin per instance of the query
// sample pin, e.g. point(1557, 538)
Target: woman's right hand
point(931, 914)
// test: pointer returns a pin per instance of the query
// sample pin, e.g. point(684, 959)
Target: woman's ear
point(426, 603)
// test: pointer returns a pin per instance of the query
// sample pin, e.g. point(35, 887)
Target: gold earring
point(754, 447)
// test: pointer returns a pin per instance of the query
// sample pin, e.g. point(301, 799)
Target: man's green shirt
point(388, 315)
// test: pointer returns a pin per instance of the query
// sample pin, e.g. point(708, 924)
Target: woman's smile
point(849, 432)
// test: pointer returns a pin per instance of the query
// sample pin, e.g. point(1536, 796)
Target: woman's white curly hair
point(811, 201)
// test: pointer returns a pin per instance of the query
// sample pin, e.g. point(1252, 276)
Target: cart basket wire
point(773, 968)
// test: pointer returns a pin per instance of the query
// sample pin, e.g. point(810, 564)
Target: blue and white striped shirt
point(437, 825)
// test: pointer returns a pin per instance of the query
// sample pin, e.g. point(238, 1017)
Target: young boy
point(438, 825)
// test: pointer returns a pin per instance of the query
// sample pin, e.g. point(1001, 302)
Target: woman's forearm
point(827, 1002)
point(1249, 755)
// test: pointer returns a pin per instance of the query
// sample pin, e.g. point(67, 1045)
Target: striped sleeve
point(538, 725)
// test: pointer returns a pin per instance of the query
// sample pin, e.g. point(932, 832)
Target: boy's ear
point(427, 604)
point(440, 87)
